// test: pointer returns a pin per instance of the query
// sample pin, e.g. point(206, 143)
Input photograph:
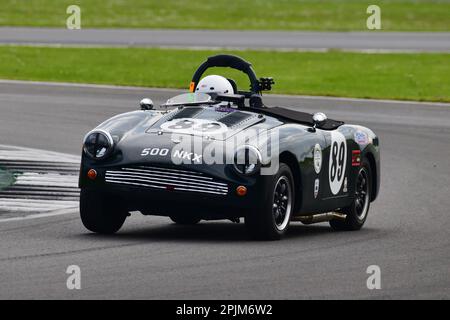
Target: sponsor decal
point(356, 158)
point(337, 161)
point(317, 158)
point(316, 188)
point(225, 109)
point(361, 138)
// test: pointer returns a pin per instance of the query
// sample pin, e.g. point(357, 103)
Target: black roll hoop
point(234, 62)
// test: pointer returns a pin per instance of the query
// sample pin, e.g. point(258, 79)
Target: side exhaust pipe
point(321, 217)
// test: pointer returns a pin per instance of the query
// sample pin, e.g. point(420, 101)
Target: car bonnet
point(217, 122)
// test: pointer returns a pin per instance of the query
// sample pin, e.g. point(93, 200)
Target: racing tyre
point(99, 214)
point(358, 210)
point(185, 220)
point(272, 220)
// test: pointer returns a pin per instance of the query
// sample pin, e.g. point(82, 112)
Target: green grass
point(6, 178)
point(408, 15)
point(392, 76)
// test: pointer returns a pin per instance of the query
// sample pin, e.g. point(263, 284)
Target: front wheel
point(359, 208)
point(100, 214)
point(272, 221)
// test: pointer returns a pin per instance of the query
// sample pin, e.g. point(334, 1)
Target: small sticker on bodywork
point(361, 138)
point(356, 158)
point(316, 188)
point(225, 109)
point(317, 158)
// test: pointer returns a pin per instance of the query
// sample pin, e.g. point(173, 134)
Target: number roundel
point(194, 126)
point(338, 161)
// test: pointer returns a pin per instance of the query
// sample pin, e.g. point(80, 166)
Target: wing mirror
point(146, 104)
point(319, 119)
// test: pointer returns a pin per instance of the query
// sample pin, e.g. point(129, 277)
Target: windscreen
point(189, 99)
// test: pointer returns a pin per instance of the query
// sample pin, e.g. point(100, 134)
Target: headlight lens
point(98, 144)
point(247, 160)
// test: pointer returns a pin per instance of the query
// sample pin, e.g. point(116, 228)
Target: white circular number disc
point(194, 126)
point(337, 161)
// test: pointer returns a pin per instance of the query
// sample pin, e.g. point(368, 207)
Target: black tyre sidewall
point(352, 221)
point(261, 223)
point(99, 214)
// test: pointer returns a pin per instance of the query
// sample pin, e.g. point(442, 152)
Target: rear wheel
point(100, 214)
point(272, 221)
point(185, 220)
point(359, 208)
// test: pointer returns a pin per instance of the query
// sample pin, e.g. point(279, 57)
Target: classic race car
point(220, 153)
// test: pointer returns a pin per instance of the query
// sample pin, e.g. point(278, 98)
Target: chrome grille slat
point(160, 187)
point(195, 190)
point(160, 177)
point(109, 177)
point(165, 178)
point(170, 173)
point(168, 169)
point(137, 184)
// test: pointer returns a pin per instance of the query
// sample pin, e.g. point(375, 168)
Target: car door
point(337, 165)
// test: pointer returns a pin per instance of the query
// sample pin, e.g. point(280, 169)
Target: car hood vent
point(235, 118)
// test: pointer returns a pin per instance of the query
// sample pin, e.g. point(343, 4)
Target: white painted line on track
point(19, 153)
point(39, 215)
point(38, 194)
point(86, 85)
point(47, 179)
point(175, 91)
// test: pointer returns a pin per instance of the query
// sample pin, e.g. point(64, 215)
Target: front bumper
point(156, 192)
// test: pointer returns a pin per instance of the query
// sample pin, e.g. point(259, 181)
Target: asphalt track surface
point(269, 40)
point(406, 234)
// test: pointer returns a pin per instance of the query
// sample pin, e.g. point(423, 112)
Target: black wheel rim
point(362, 194)
point(282, 203)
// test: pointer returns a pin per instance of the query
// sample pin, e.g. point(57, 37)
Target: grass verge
point(333, 15)
point(422, 77)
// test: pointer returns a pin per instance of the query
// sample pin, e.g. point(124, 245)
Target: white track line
point(30, 154)
point(47, 179)
point(38, 203)
point(175, 91)
point(21, 204)
point(39, 215)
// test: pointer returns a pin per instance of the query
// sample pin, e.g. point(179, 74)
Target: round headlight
point(98, 144)
point(247, 160)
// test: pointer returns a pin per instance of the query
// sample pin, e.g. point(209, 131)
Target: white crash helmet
point(214, 84)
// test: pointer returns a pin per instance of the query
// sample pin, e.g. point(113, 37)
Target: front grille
point(166, 179)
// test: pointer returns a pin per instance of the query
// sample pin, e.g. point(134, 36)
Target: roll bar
point(230, 61)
